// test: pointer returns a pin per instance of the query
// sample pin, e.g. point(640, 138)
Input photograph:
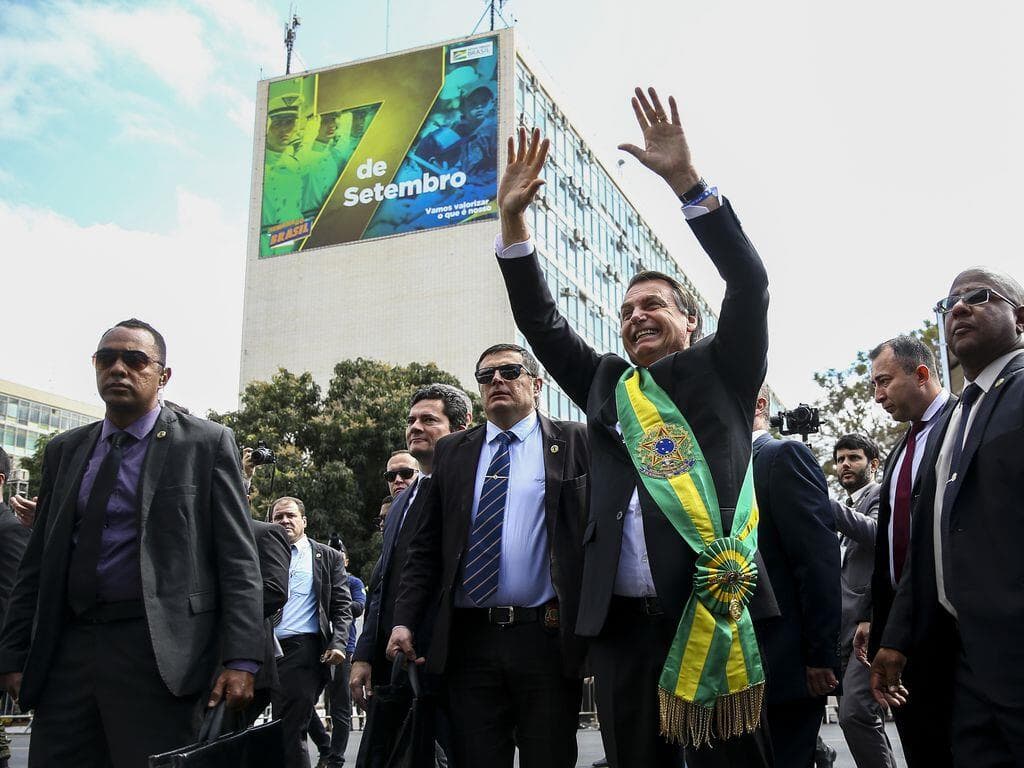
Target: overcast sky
point(872, 151)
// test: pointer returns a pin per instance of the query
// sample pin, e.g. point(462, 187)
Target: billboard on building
point(382, 147)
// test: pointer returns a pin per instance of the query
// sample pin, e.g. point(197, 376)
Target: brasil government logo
point(665, 451)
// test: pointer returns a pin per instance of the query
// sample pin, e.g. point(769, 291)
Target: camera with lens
point(262, 455)
point(802, 420)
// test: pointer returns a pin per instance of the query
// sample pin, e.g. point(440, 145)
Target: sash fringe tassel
point(694, 725)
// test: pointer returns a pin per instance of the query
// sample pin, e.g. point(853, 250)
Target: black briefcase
point(257, 747)
point(399, 729)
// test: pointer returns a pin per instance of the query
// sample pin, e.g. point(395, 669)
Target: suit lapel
point(64, 523)
point(164, 433)
point(973, 440)
point(393, 524)
point(466, 458)
point(554, 461)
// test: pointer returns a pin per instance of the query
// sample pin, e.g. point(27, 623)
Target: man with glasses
point(501, 539)
point(960, 608)
point(435, 411)
point(401, 471)
point(907, 386)
point(141, 576)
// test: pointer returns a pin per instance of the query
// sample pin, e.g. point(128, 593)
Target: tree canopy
point(331, 447)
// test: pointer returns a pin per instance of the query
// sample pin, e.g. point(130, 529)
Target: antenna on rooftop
point(289, 38)
point(493, 9)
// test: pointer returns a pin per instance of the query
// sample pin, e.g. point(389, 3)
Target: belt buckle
point(502, 615)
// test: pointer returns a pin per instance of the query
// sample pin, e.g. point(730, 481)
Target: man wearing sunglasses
point(639, 570)
point(435, 411)
point(958, 615)
point(141, 576)
point(401, 471)
point(500, 538)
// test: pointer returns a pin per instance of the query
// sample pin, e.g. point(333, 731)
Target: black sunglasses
point(971, 298)
point(509, 372)
point(134, 358)
point(405, 473)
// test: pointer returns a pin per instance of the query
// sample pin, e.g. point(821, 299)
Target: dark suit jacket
point(437, 547)
point(858, 526)
point(882, 591)
point(334, 600)
point(797, 539)
point(200, 570)
point(275, 558)
point(13, 540)
point(384, 584)
point(984, 574)
point(714, 383)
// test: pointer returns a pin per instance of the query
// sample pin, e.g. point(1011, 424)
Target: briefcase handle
point(412, 670)
point(213, 724)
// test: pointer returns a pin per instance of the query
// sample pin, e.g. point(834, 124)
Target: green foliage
point(331, 448)
point(847, 404)
point(34, 464)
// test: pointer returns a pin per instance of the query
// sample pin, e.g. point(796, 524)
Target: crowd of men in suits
point(669, 546)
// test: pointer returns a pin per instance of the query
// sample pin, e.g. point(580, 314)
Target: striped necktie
point(483, 561)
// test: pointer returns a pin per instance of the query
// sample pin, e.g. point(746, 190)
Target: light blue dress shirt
point(524, 578)
point(299, 616)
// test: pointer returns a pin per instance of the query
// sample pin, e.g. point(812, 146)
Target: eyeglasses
point(405, 473)
point(971, 298)
point(135, 359)
point(509, 372)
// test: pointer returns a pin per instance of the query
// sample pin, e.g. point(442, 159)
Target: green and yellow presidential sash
point(712, 684)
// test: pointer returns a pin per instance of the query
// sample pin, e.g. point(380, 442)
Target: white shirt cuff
point(513, 251)
point(694, 211)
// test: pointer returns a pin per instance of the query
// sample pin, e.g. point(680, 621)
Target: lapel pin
point(1000, 382)
point(318, 555)
point(554, 449)
point(161, 435)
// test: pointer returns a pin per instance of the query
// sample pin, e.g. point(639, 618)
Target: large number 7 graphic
point(406, 87)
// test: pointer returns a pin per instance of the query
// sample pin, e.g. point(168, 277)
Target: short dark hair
point(528, 359)
point(298, 503)
point(132, 322)
point(454, 402)
point(909, 351)
point(399, 452)
point(854, 442)
point(686, 302)
point(5, 466)
point(387, 500)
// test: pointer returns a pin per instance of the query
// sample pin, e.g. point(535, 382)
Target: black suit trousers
point(302, 678)
point(626, 659)
point(506, 690)
point(104, 704)
point(794, 726)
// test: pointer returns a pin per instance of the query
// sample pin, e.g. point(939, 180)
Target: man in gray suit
point(140, 577)
point(856, 460)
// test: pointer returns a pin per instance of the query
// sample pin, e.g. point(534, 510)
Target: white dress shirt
point(928, 417)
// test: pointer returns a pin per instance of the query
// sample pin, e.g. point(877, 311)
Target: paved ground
point(589, 741)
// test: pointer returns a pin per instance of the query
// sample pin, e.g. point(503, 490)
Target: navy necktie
point(967, 399)
point(85, 558)
point(483, 561)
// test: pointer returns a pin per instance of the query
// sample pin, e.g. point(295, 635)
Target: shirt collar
point(936, 405)
point(302, 544)
point(859, 493)
point(137, 429)
point(988, 374)
point(757, 434)
point(521, 430)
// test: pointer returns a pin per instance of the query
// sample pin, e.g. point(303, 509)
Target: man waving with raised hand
point(670, 581)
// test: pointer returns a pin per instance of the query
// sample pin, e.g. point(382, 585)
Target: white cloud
point(75, 281)
point(253, 24)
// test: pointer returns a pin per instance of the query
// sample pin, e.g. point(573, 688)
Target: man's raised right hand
point(520, 183)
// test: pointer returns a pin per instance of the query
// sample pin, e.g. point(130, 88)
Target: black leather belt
point(105, 613)
point(503, 615)
point(649, 605)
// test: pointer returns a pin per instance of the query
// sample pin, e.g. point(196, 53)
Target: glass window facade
point(590, 239)
point(23, 422)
